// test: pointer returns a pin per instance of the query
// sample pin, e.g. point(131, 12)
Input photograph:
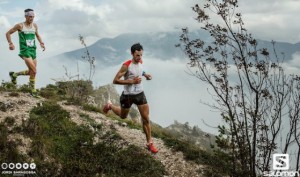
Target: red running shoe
point(107, 107)
point(152, 148)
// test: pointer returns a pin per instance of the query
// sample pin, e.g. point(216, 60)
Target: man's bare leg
point(144, 111)
point(31, 64)
point(121, 112)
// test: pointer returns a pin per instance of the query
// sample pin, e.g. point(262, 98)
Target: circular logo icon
point(18, 166)
point(4, 166)
point(32, 166)
point(11, 166)
point(25, 166)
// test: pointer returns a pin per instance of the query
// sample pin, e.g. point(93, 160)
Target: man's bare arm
point(39, 37)
point(121, 73)
point(17, 27)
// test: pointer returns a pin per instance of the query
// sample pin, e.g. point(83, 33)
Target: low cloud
point(4, 23)
point(293, 66)
point(172, 94)
point(272, 19)
point(175, 95)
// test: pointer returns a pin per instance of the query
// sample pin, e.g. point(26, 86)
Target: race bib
point(30, 43)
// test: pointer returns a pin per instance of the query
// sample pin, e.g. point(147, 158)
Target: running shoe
point(151, 148)
point(107, 107)
point(13, 77)
point(34, 93)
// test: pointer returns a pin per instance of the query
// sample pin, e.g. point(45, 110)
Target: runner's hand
point(148, 76)
point(43, 46)
point(11, 46)
point(137, 80)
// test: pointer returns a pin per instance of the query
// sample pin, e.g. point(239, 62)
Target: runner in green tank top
point(28, 32)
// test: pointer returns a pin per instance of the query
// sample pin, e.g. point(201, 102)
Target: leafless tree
point(88, 58)
point(258, 101)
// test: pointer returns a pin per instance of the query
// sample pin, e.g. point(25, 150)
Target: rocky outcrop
point(193, 135)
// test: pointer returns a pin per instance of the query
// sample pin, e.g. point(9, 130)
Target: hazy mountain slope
point(193, 135)
point(283, 49)
point(112, 51)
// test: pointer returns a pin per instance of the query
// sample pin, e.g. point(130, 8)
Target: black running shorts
point(127, 100)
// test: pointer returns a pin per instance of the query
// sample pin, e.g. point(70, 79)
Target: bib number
point(30, 43)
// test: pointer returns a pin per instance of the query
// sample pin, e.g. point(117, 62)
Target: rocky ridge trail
point(19, 107)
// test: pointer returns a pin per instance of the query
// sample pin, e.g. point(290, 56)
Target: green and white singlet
point(27, 41)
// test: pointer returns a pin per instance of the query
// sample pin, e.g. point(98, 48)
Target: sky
point(61, 21)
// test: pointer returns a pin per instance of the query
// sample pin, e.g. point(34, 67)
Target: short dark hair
point(28, 10)
point(137, 47)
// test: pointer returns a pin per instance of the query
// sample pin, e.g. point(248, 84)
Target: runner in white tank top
point(133, 93)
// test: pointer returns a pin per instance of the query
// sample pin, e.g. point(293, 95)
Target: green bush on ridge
point(70, 148)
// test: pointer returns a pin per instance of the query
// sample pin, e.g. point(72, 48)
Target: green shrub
point(72, 149)
point(14, 94)
point(90, 121)
point(9, 152)
point(9, 121)
point(7, 86)
point(25, 88)
point(76, 91)
point(92, 108)
point(51, 92)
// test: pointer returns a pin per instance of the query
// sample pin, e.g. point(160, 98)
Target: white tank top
point(28, 30)
point(134, 70)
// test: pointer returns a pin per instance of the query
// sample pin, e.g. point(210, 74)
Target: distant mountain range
point(193, 135)
point(160, 45)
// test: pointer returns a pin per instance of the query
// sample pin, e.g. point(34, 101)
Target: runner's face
point(137, 55)
point(29, 19)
